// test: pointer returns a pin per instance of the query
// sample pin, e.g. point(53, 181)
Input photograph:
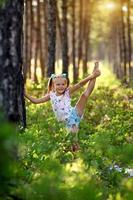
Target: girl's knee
point(85, 95)
point(74, 129)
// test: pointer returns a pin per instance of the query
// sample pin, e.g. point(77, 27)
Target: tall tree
point(64, 37)
point(124, 47)
point(45, 36)
point(129, 39)
point(80, 33)
point(35, 41)
point(51, 17)
point(11, 79)
point(59, 34)
point(27, 27)
point(40, 16)
point(73, 42)
point(86, 36)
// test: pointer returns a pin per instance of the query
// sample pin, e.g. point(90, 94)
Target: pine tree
point(11, 79)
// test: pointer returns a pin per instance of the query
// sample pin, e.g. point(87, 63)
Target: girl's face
point(59, 85)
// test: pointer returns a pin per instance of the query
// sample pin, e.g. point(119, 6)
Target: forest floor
point(49, 170)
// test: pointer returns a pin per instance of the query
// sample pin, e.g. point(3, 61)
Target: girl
point(59, 93)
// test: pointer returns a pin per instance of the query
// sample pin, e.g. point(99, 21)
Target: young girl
point(59, 93)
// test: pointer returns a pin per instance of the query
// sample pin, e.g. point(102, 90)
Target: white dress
point(61, 105)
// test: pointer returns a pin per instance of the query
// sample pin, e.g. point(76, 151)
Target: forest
point(44, 38)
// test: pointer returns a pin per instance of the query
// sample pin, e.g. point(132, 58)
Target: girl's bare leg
point(80, 108)
point(80, 105)
point(84, 97)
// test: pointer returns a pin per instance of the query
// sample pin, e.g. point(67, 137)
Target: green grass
point(50, 171)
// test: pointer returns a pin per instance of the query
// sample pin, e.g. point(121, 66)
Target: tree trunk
point(86, 36)
point(35, 43)
point(129, 41)
point(124, 50)
point(64, 37)
point(25, 49)
point(45, 36)
point(30, 38)
point(51, 16)
point(73, 42)
point(120, 44)
point(80, 34)
point(58, 37)
point(40, 51)
point(11, 79)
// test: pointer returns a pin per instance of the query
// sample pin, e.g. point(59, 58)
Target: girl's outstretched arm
point(75, 87)
point(40, 100)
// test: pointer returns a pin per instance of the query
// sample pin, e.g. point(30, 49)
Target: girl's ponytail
point(49, 84)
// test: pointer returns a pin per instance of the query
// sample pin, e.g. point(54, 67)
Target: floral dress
point(63, 110)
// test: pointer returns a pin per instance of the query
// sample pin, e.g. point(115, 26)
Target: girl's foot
point(75, 147)
point(96, 65)
point(96, 72)
point(74, 129)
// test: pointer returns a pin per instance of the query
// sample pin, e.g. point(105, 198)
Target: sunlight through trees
point(37, 159)
point(85, 30)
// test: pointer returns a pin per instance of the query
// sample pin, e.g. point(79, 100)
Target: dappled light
point(105, 131)
point(110, 5)
point(124, 8)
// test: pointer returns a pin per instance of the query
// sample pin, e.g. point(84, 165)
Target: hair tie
point(53, 76)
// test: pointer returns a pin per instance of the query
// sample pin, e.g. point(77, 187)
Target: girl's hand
point(96, 66)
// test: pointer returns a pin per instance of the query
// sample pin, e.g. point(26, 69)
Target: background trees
point(85, 30)
point(81, 31)
point(121, 38)
point(61, 36)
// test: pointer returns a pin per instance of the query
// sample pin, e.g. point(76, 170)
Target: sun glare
point(124, 8)
point(110, 6)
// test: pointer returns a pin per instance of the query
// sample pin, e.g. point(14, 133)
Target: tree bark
point(45, 37)
point(129, 41)
point(73, 42)
point(80, 34)
point(86, 36)
point(11, 79)
point(40, 38)
point(124, 50)
point(64, 37)
point(51, 16)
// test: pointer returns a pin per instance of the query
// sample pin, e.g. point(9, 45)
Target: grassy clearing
point(49, 170)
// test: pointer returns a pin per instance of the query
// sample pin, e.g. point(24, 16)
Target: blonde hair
point(53, 76)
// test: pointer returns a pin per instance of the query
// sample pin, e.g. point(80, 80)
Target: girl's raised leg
point(80, 105)
point(80, 109)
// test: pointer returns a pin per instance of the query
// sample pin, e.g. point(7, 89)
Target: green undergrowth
point(51, 171)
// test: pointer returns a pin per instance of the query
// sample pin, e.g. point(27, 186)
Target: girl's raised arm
point(84, 81)
point(40, 100)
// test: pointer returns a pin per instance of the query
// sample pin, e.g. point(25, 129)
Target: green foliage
point(3, 3)
point(50, 170)
point(8, 158)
